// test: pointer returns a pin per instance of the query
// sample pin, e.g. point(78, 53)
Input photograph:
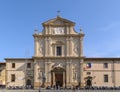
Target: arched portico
point(58, 77)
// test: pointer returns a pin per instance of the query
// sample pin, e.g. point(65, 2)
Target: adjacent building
point(2, 74)
point(59, 60)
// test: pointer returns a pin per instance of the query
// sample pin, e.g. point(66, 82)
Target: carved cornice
point(64, 22)
point(64, 35)
point(48, 57)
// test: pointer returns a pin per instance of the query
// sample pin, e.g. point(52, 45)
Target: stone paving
point(4, 90)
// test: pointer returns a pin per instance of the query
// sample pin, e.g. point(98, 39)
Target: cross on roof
point(58, 12)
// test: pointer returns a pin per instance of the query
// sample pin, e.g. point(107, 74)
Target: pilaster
point(49, 47)
point(70, 71)
point(46, 70)
point(46, 47)
point(81, 47)
point(81, 74)
point(70, 45)
point(64, 79)
point(49, 73)
point(67, 72)
point(36, 46)
point(36, 76)
point(67, 46)
point(67, 29)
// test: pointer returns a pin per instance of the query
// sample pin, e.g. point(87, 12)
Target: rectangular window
point(59, 50)
point(12, 77)
point(105, 65)
point(88, 73)
point(13, 65)
point(105, 78)
point(28, 65)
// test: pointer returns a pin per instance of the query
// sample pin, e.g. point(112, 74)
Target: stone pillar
point(64, 79)
point(46, 46)
point(70, 71)
point(67, 29)
point(67, 74)
point(67, 46)
point(45, 30)
point(81, 73)
point(71, 29)
point(36, 73)
point(49, 31)
point(81, 42)
point(70, 44)
point(46, 70)
point(36, 46)
point(49, 46)
point(53, 78)
point(81, 46)
point(49, 73)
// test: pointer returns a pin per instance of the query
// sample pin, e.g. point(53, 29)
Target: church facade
point(58, 60)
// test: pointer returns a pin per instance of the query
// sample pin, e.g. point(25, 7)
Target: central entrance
point(58, 77)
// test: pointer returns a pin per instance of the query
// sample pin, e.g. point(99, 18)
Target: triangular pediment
point(58, 21)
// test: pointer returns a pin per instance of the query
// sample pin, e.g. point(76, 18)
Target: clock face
point(58, 30)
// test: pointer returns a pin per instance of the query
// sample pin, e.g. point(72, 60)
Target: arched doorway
point(29, 84)
point(88, 81)
point(58, 77)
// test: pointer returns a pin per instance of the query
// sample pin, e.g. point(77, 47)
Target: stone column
point(70, 71)
point(67, 74)
point(81, 42)
point(45, 30)
point(49, 73)
point(81, 46)
point(36, 46)
point(81, 73)
point(46, 70)
point(64, 79)
point(46, 46)
point(49, 46)
point(70, 44)
point(67, 29)
point(49, 30)
point(71, 29)
point(67, 46)
point(53, 78)
point(36, 73)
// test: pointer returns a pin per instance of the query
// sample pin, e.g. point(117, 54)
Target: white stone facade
point(59, 60)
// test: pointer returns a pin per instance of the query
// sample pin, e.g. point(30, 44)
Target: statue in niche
point(41, 46)
point(76, 48)
point(74, 71)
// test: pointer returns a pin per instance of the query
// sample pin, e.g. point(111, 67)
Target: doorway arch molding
point(58, 77)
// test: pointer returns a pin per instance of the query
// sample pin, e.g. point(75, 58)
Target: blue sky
point(100, 20)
